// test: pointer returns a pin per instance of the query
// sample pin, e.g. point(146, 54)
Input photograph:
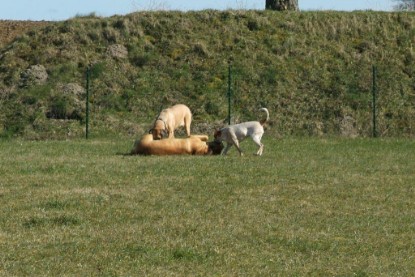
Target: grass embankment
point(10, 30)
point(312, 70)
point(307, 207)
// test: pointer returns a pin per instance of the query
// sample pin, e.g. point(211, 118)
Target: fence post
point(229, 91)
point(88, 71)
point(374, 92)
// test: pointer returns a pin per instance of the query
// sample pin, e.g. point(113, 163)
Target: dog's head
point(159, 130)
point(217, 135)
point(139, 147)
point(158, 133)
point(215, 147)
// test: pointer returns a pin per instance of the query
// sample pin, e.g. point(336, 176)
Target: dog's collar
point(164, 122)
point(166, 129)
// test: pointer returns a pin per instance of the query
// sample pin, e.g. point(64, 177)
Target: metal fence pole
point(374, 92)
point(88, 71)
point(229, 91)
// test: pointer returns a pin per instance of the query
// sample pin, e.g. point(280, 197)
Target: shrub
point(63, 106)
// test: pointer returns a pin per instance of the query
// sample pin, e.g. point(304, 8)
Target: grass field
point(319, 207)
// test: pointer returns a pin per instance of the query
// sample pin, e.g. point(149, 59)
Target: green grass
point(329, 207)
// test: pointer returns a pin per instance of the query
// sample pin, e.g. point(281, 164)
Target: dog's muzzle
point(163, 134)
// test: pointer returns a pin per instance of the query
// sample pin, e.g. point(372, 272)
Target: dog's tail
point(265, 120)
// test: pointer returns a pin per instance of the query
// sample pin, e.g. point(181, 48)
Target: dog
point(234, 134)
point(170, 119)
point(193, 145)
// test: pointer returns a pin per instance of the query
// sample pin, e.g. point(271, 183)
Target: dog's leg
point(187, 122)
point(261, 148)
point(239, 148)
point(170, 133)
point(257, 140)
point(228, 145)
point(236, 142)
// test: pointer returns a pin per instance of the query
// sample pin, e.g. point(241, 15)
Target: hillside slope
point(312, 70)
point(12, 29)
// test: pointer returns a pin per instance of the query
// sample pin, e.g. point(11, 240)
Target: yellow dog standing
point(170, 119)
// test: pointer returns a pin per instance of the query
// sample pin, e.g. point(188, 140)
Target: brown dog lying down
point(194, 145)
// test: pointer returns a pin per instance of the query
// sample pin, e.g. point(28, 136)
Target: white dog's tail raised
point(265, 120)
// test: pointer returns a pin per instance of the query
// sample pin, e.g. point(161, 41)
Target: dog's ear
point(217, 133)
point(164, 134)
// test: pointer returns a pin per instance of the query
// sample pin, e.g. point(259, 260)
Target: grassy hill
point(11, 29)
point(312, 70)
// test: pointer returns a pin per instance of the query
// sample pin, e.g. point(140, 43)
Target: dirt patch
point(11, 29)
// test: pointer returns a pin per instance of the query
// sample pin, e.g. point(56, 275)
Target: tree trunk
point(281, 5)
point(404, 5)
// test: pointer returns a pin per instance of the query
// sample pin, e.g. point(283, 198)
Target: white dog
point(234, 134)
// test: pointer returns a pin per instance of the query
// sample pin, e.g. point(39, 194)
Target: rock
point(72, 89)
point(34, 75)
point(348, 127)
point(66, 103)
point(117, 51)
